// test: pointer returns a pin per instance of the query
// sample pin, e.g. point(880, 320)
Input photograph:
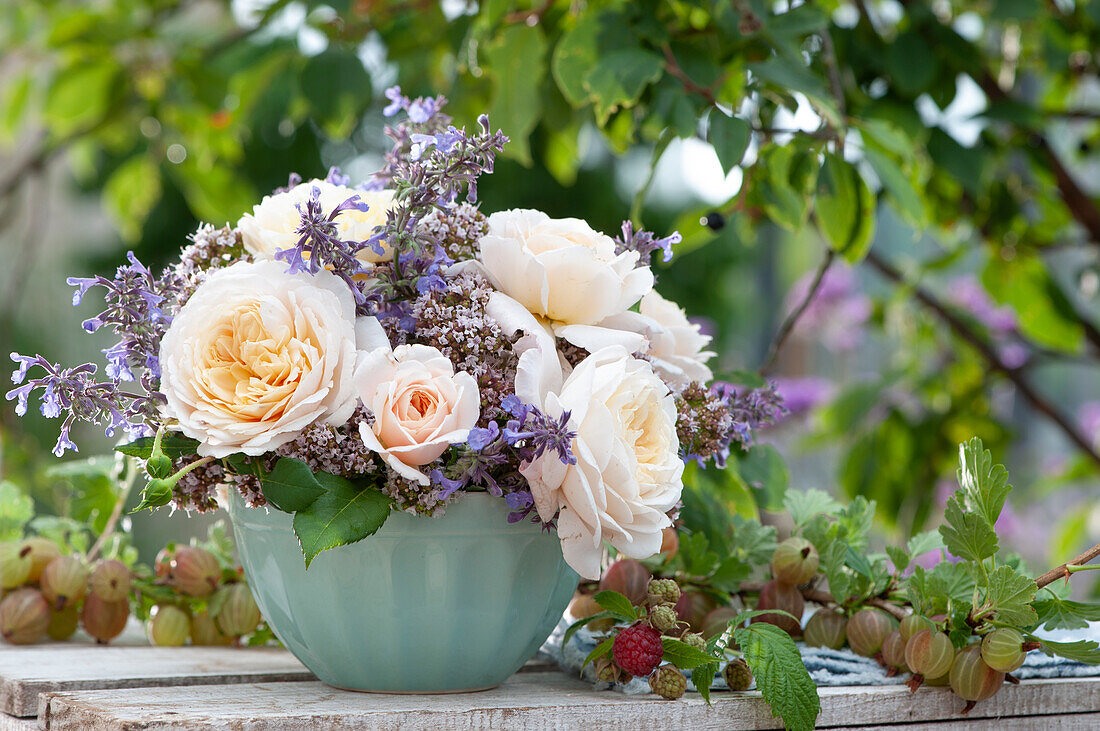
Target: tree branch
point(1016, 375)
point(1062, 572)
point(785, 329)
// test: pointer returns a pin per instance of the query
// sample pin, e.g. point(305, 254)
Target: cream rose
point(628, 473)
point(561, 269)
point(420, 406)
point(271, 225)
point(675, 344)
point(256, 355)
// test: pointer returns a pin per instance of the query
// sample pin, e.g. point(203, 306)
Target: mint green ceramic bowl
point(423, 606)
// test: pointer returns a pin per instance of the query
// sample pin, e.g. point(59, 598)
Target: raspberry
point(737, 674)
point(663, 591)
point(609, 672)
point(638, 649)
point(695, 640)
point(668, 682)
point(663, 617)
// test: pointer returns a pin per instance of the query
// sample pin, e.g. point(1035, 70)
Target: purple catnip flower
point(645, 243)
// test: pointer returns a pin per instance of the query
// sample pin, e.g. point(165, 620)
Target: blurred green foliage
point(925, 140)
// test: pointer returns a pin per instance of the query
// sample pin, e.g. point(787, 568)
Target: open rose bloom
point(396, 337)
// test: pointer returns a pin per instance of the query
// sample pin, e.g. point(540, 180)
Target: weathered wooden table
point(74, 686)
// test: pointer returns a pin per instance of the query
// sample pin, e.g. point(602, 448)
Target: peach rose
point(420, 406)
point(272, 224)
point(256, 355)
point(561, 269)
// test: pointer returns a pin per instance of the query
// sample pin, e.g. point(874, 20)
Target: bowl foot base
point(415, 692)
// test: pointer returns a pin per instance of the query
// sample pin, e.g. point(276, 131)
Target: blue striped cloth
point(826, 667)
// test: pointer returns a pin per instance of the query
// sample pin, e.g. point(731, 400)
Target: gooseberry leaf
point(967, 535)
point(984, 484)
point(343, 514)
point(1086, 651)
point(1011, 594)
point(1054, 612)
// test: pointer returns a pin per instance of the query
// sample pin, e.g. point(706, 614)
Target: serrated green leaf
point(856, 520)
point(730, 573)
point(702, 677)
point(753, 542)
point(1054, 612)
point(291, 486)
point(857, 562)
point(620, 77)
point(343, 514)
point(845, 208)
point(573, 628)
point(173, 444)
point(833, 559)
point(683, 655)
point(1011, 594)
point(919, 543)
point(598, 651)
point(617, 604)
point(517, 62)
point(984, 484)
point(804, 504)
point(1086, 651)
point(15, 510)
point(780, 675)
point(898, 557)
point(967, 535)
point(730, 138)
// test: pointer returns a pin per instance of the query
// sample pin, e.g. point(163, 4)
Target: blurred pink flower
point(838, 311)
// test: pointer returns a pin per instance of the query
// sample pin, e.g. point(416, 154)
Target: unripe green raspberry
point(662, 591)
point(695, 640)
point(663, 617)
point(608, 672)
point(668, 682)
point(738, 675)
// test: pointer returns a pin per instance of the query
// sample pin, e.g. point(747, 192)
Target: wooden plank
point(11, 723)
point(26, 671)
point(547, 701)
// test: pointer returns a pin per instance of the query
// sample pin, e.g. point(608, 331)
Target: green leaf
point(898, 557)
point(857, 562)
point(898, 185)
point(572, 629)
point(291, 486)
point(620, 77)
point(929, 540)
point(13, 106)
point(214, 192)
point(803, 505)
point(702, 676)
point(967, 535)
point(683, 655)
point(730, 573)
point(845, 208)
point(91, 487)
point(965, 164)
point(1011, 594)
point(617, 604)
point(173, 444)
point(1044, 313)
point(984, 484)
point(911, 63)
point(766, 473)
point(799, 21)
point(130, 194)
point(1054, 612)
point(15, 510)
point(753, 542)
point(338, 88)
point(343, 514)
point(833, 564)
point(575, 56)
point(1086, 651)
point(517, 61)
point(82, 95)
point(791, 75)
point(856, 520)
point(780, 675)
point(730, 138)
point(598, 651)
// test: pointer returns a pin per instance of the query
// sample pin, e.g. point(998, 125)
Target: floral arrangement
point(345, 351)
